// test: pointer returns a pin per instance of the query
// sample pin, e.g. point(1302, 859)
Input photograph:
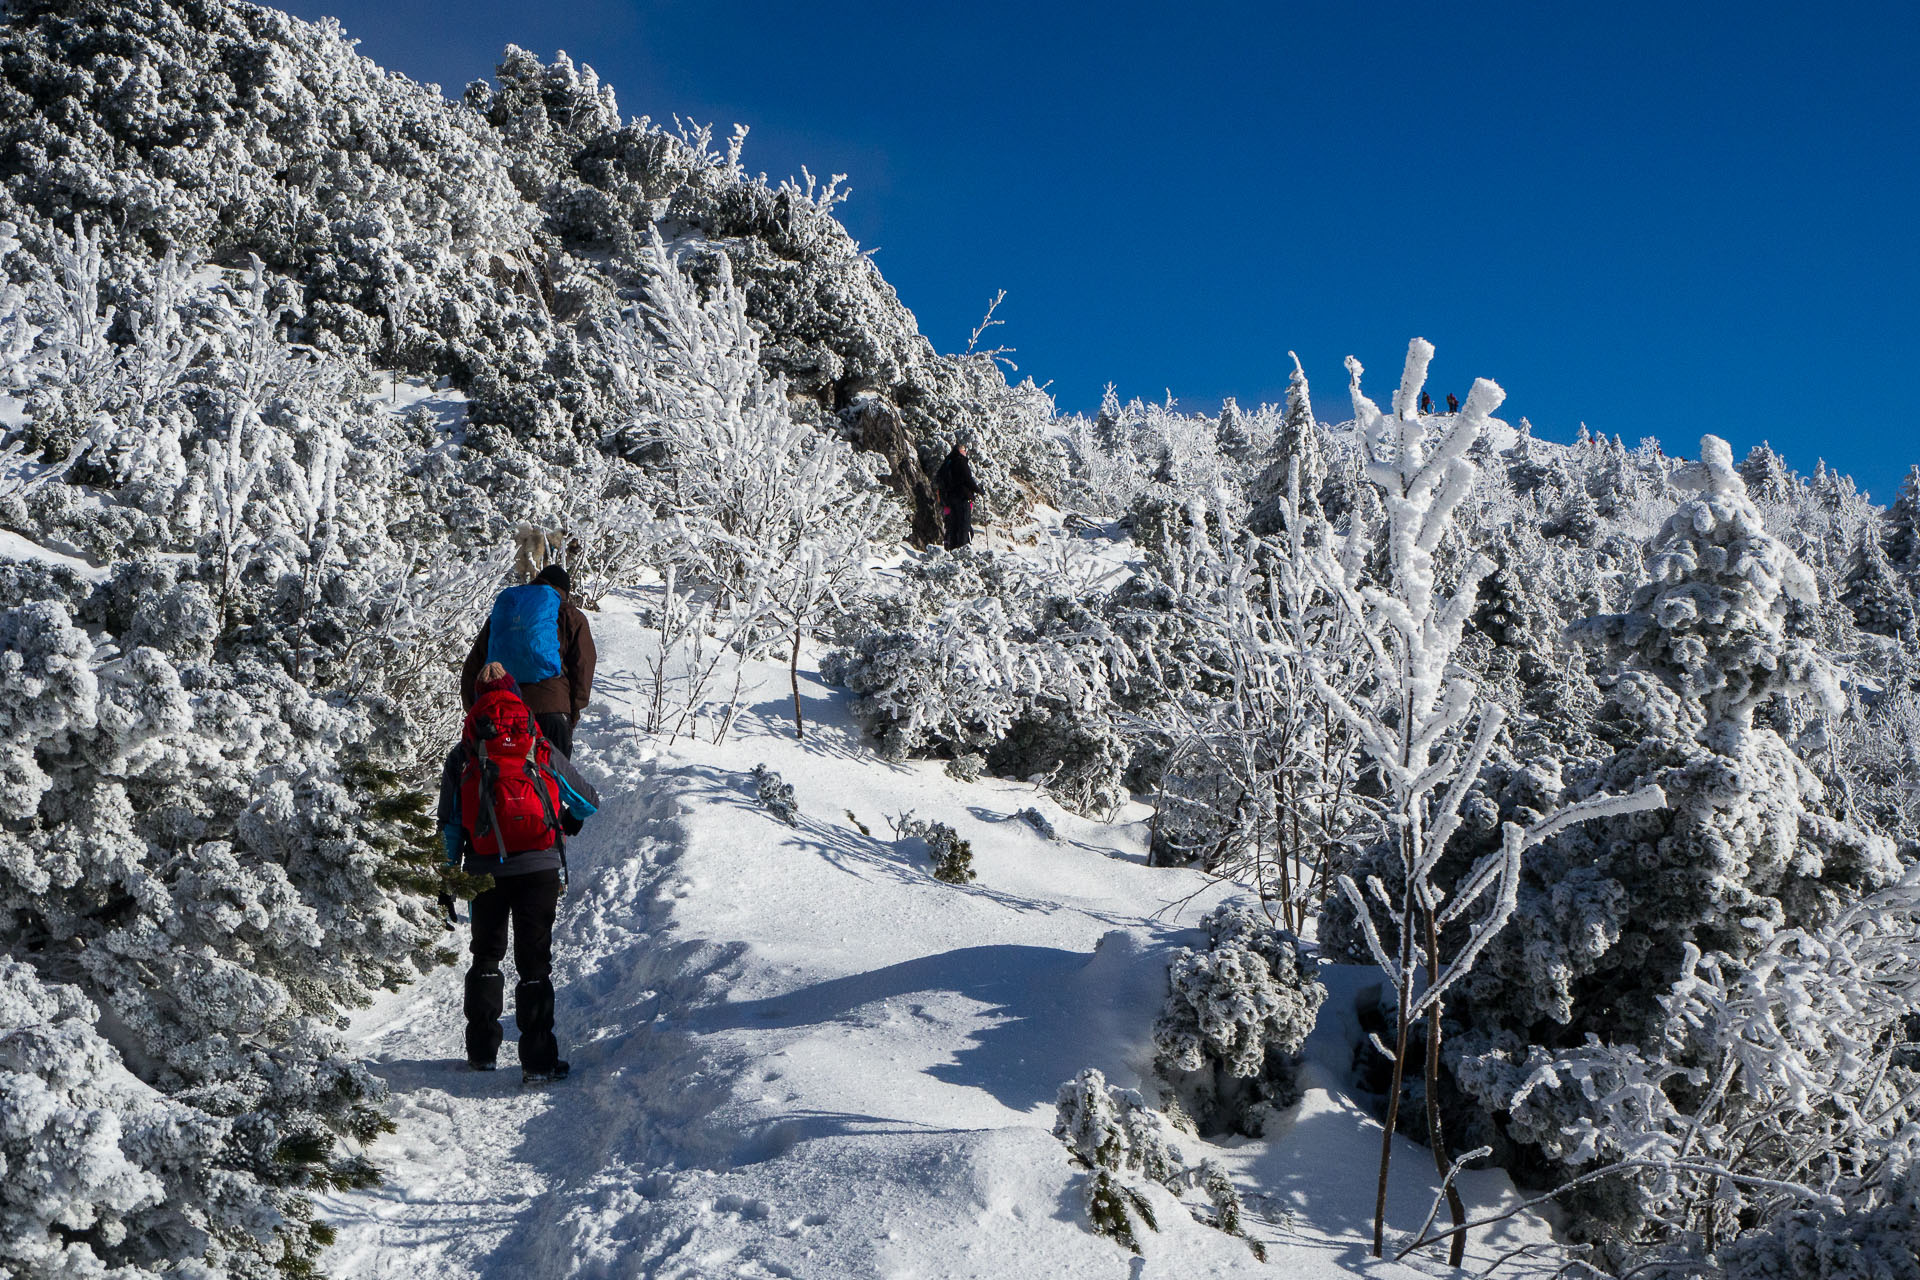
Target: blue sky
point(1659, 220)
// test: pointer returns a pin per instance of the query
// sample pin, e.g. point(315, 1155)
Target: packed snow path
point(797, 1054)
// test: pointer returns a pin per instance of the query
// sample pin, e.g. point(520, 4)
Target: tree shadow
point(862, 853)
point(831, 729)
point(1042, 1009)
point(780, 1134)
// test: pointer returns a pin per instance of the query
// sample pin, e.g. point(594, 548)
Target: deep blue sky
point(1660, 220)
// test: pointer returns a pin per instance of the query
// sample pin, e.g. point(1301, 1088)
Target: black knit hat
point(556, 577)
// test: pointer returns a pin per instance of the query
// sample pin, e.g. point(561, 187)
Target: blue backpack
point(523, 634)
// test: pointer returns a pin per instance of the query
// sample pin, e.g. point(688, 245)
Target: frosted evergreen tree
point(1578, 516)
point(102, 1172)
point(1881, 601)
point(1781, 1093)
point(1525, 468)
point(1902, 540)
point(1766, 476)
point(1107, 424)
point(1233, 431)
point(1607, 915)
point(1297, 445)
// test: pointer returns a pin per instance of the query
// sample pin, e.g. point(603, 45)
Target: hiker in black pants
point(958, 489)
point(1453, 406)
point(1426, 402)
point(508, 801)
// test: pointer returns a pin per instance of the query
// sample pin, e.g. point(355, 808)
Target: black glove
point(570, 824)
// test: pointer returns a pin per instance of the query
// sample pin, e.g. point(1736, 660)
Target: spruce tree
point(1902, 543)
point(1880, 599)
point(1608, 914)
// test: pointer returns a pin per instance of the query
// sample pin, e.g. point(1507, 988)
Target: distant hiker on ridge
point(1453, 405)
point(543, 641)
point(508, 801)
point(1426, 402)
point(958, 489)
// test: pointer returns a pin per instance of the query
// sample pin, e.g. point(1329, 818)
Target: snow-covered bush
point(971, 657)
point(1124, 1143)
point(1877, 1242)
point(948, 685)
point(775, 795)
point(968, 766)
point(1041, 824)
point(1120, 1139)
point(1235, 1019)
point(1115, 1129)
point(102, 1171)
point(951, 857)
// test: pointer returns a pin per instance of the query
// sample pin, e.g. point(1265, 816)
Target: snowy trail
point(798, 1055)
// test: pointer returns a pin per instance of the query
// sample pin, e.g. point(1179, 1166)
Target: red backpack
point(509, 796)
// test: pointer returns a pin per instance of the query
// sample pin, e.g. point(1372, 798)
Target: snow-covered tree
point(1781, 1092)
point(761, 506)
point(1608, 915)
point(1411, 722)
point(1902, 540)
point(103, 1172)
point(1880, 600)
point(1297, 450)
point(1258, 776)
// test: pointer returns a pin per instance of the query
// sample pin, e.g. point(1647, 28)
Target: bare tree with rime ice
point(1412, 723)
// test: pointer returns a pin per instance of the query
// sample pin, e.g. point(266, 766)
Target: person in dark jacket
point(1453, 405)
point(1426, 402)
point(525, 898)
point(958, 489)
point(558, 700)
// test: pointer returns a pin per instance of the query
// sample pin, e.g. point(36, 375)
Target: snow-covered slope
point(798, 1054)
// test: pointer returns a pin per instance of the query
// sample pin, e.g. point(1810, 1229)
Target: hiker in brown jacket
point(556, 700)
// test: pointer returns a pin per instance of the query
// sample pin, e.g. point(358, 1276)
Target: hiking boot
point(557, 1072)
point(482, 1066)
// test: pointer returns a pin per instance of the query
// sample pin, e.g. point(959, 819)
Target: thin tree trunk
point(1280, 849)
point(1435, 1138)
point(1399, 1067)
point(793, 674)
point(1409, 859)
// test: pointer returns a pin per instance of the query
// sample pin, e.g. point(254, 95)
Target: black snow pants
point(529, 903)
point(959, 515)
point(558, 729)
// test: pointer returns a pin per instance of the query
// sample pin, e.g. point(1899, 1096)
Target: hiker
point(958, 489)
point(509, 799)
point(1426, 402)
point(542, 639)
point(1453, 406)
